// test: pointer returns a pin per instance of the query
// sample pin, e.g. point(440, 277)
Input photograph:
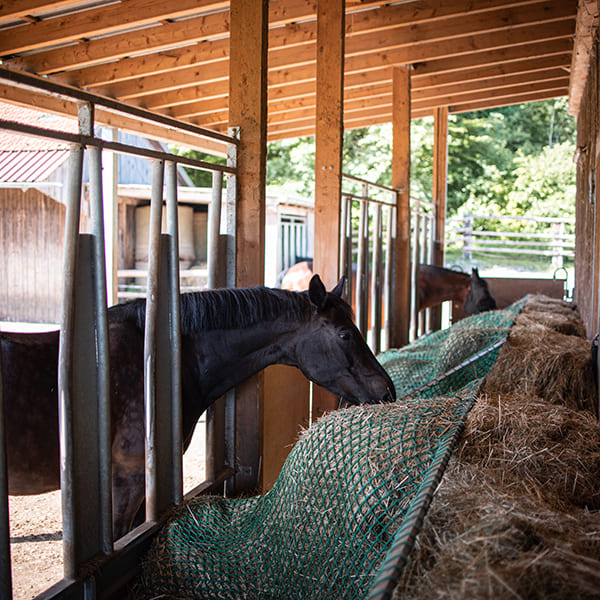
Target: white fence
point(523, 236)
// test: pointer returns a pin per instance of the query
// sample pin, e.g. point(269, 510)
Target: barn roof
point(172, 57)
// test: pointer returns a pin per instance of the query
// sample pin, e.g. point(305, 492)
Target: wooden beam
point(165, 36)
point(485, 57)
point(401, 183)
point(440, 174)
point(359, 64)
point(453, 28)
point(329, 130)
point(98, 21)
point(505, 101)
point(248, 111)
point(125, 69)
point(526, 65)
point(51, 104)
point(463, 45)
point(585, 37)
point(15, 9)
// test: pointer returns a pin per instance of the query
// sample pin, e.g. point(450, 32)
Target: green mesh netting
point(342, 516)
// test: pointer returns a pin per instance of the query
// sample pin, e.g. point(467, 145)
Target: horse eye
point(344, 335)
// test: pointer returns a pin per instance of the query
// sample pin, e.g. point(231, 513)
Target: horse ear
point(317, 292)
point(339, 288)
point(475, 272)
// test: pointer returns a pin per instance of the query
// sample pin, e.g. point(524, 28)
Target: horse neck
point(226, 356)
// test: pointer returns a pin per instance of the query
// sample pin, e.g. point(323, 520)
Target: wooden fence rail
point(554, 241)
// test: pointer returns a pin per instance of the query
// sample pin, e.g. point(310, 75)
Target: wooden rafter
point(173, 57)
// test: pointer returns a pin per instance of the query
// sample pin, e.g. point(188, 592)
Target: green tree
point(545, 183)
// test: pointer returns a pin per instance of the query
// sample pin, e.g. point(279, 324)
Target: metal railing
point(368, 233)
point(423, 216)
point(84, 357)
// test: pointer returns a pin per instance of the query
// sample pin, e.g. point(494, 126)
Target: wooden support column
point(401, 182)
point(328, 155)
point(248, 111)
point(440, 177)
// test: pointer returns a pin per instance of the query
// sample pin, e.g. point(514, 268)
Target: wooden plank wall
point(31, 245)
point(587, 213)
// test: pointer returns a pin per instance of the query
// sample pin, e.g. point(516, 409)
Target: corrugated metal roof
point(30, 166)
point(27, 159)
point(10, 141)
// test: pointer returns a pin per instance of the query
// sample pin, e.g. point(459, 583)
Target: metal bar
point(214, 228)
point(229, 427)
point(360, 269)
point(348, 256)
point(414, 287)
point(376, 298)
point(343, 266)
point(103, 364)
point(378, 186)
point(90, 140)
point(5, 571)
point(53, 87)
point(65, 361)
point(370, 199)
point(151, 341)
point(175, 333)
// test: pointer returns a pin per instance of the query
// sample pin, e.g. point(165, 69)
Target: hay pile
point(547, 355)
point(517, 514)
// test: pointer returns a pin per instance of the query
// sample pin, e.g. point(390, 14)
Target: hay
point(547, 355)
point(517, 514)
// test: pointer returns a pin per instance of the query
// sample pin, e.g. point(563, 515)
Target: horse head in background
point(226, 336)
point(436, 285)
point(479, 298)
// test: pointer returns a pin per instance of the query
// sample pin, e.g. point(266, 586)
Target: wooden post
point(248, 111)
point(440, 176)
point(328, 155)
point(401, 182)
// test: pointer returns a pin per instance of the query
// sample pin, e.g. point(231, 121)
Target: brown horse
point(227, 336)
point(436, 285)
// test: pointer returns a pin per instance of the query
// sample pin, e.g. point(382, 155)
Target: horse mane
point(230, 308)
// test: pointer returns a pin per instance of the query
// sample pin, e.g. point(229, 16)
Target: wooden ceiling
point(172, 56)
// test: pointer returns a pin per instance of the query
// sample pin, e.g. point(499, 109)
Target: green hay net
point(342, 516)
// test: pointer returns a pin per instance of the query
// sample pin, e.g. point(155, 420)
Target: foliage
point(508, 160)
point(198, 177)
point(291, 165)
point(543, 181)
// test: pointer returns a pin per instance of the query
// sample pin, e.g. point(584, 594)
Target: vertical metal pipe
point(360, 268)
point(150, 339)
point(103, 358)
point(5, 571)
point(66, 358)
point(343, 266)
point(175, 331)
point(376, 298)
point(348, 256)
point(387, 283)
point(214, 228)
point(228, 439)
point(366, 263)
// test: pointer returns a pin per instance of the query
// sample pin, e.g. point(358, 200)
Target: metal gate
point(84, 359)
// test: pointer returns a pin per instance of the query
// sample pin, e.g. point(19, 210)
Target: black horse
point(479, 298)
point(227, 336)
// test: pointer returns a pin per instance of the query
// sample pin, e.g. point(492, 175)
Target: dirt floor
point(36, 529)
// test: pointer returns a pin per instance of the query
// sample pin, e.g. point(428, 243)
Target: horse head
point(479, 298)
point(332, 353)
